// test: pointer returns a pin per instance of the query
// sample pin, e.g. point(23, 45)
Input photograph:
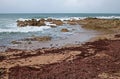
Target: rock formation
point(57, 22)
point(72, 22)
point(32, 22)
point(41, 22)
point(64, 30)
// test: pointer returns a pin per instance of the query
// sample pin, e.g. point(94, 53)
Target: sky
point(59, 6)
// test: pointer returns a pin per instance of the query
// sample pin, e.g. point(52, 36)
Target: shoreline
point(90, 51)
point(19, 59)
point(97, 58)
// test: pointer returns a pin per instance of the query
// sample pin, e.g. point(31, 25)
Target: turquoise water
point(9, 30)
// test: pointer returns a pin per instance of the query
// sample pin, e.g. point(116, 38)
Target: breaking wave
point(14, 28)
point(25, 29)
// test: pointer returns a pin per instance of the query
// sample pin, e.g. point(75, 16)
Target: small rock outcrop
point(72, 22)
point(32, 22)
point(49, 20)
point(117, 36)
point(57, 22)
point(40, 38)
point(64, 30)
point(41, 22)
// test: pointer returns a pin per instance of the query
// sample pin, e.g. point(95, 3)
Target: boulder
point(57, 22)
point(53, 26)
point(16, 42)
point(42, 19)
point(32, 22)
point(49, 20)
point(21, 23)
point(64, 30)
point(72, 22)
point(2, 72)
point(41, 23)
point(44, 38)
point(117, 36)
point(39, 38)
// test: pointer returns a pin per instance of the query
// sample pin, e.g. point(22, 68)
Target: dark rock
point(2, 71)
point(16, 42)
point(117, 36)
point(49, 20)
point(21, 23)
point(41, 23)
point(32, 22)
point(2, 57)
point(64, 30)
point(41, 38)
point(57, 22)
point(72, 22)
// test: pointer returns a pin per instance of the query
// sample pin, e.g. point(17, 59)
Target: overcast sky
point(59, 6)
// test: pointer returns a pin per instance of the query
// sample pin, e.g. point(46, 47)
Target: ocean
point(9, 30)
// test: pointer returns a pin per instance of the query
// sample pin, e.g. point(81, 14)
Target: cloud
point(42, 6)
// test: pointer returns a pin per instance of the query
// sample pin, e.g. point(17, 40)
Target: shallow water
point(9, 30)
point(59, 39)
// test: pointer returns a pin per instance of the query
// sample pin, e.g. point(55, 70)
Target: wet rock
point(105, 25)
point(2, 71)
point(117, 36)
point(16, 42)
point(53, 26)
point(64, 30)
point(32, 22)
point(42, 19)
point(41, 22)
point(72, 22)
point(21, 23)
point(29, 42)
point(43, 38)
point(49, 20)
point(57, 22)
point(2, 57)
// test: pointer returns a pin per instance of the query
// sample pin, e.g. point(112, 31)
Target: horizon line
point(58, 13)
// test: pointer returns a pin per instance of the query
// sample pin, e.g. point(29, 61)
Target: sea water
point(9, 30)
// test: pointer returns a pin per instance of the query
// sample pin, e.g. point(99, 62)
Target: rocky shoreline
point(40, 22)
point(99, 59)
point(99, 65)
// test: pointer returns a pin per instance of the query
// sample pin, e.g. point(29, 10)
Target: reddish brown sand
point(93, 60)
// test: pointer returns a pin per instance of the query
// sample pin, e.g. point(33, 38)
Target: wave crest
point(25, 29)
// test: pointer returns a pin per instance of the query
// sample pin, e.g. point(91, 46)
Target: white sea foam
point(14, 28)
point(78, 18)
point(50, 24)
point(67, 18)
point(108, 17)
point(25, 29)
point(22, 19)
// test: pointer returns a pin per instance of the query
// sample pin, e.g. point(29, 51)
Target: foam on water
point(22, 19)
point(9, 30)
point(14, 28)
point(78, 18)
point(108, 17)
